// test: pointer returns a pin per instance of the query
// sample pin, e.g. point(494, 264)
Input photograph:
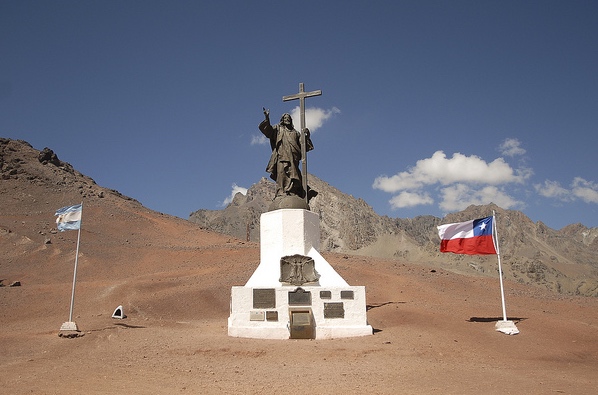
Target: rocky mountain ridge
point(564, 261)
point(173, 281)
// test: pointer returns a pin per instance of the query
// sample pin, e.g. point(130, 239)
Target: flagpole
point(75, 275)
point(70, 325)
point(504, 326)
point(502, 288)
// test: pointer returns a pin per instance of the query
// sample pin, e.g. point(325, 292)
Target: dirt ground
point(434, 330)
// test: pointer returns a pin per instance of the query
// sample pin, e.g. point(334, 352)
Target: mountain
point(565, 261)
point(434, 328)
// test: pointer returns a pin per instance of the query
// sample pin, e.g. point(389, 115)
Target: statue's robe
point(283, 165)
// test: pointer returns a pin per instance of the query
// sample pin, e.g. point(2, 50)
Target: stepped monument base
point(295, 293)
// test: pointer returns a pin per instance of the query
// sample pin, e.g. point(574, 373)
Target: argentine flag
point(69, 218)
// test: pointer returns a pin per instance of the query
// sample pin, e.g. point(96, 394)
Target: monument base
point(310, 312)
point(266, 308)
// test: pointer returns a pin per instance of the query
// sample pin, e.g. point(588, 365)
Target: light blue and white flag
point(69, 218)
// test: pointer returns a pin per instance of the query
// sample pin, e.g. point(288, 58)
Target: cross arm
point(302, 95)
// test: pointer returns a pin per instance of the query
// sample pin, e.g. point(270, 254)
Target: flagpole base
point(69, 326)
point(506, 327)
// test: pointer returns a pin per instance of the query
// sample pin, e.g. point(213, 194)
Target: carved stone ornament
point(298, 270)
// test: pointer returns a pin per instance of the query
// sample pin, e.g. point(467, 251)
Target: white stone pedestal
point(265, 308)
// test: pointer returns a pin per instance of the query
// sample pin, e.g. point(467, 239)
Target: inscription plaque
point(301, 325)
point(325, 295)
point(346, 294)
point(334, 310)
point(264, 298)
point(271, 315)
point(299, 297)
point(256, 316)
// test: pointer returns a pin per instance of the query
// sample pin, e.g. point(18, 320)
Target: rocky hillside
point(37, 182)
point(119, 236)
point(21, 163)
point(564, 261)
point(347, 224)
point(173, 280)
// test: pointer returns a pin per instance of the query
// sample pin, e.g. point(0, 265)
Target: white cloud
point(235, 189)
point(460, 196)
point(553, 189)
point(511, 147)
point(585, 190)
point(460, 168)
point(458, 181)
point(259, 139)
point(524, 173)
point(314, 119)
point(580, 189)
point(410, 199)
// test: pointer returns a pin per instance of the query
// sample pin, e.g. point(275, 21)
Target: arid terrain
point(434, 329)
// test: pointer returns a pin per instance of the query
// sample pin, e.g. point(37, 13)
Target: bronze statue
point(283, 166)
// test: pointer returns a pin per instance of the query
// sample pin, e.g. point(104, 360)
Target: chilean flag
point(473, 237)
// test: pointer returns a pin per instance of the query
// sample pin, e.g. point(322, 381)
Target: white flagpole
point(502, 288)
point(75, 275)
point(71, 325)
point(504, 326)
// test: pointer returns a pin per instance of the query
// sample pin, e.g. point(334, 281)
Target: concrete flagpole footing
point(69, 326)
point(506, 327)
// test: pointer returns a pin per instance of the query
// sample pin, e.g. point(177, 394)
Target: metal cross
point(301, 96)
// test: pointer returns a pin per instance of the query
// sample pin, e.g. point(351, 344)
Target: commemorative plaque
point(334, 310)
point(264, 298)
point(346, 294)
point(325, 295)
point(256, 316)
point(272, 315)
point(302, 324)
point(299, 297)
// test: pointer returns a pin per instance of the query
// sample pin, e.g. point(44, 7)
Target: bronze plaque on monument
point(264, 298)
point(325, 295)
point(334, 310)
point(346, 294)
point(302, 324)
point(299, 297)
point(272, 315)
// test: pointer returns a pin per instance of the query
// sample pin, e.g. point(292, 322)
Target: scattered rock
point(48, 156)
point(70, 334)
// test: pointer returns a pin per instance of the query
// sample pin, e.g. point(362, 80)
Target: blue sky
point(427, 106)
